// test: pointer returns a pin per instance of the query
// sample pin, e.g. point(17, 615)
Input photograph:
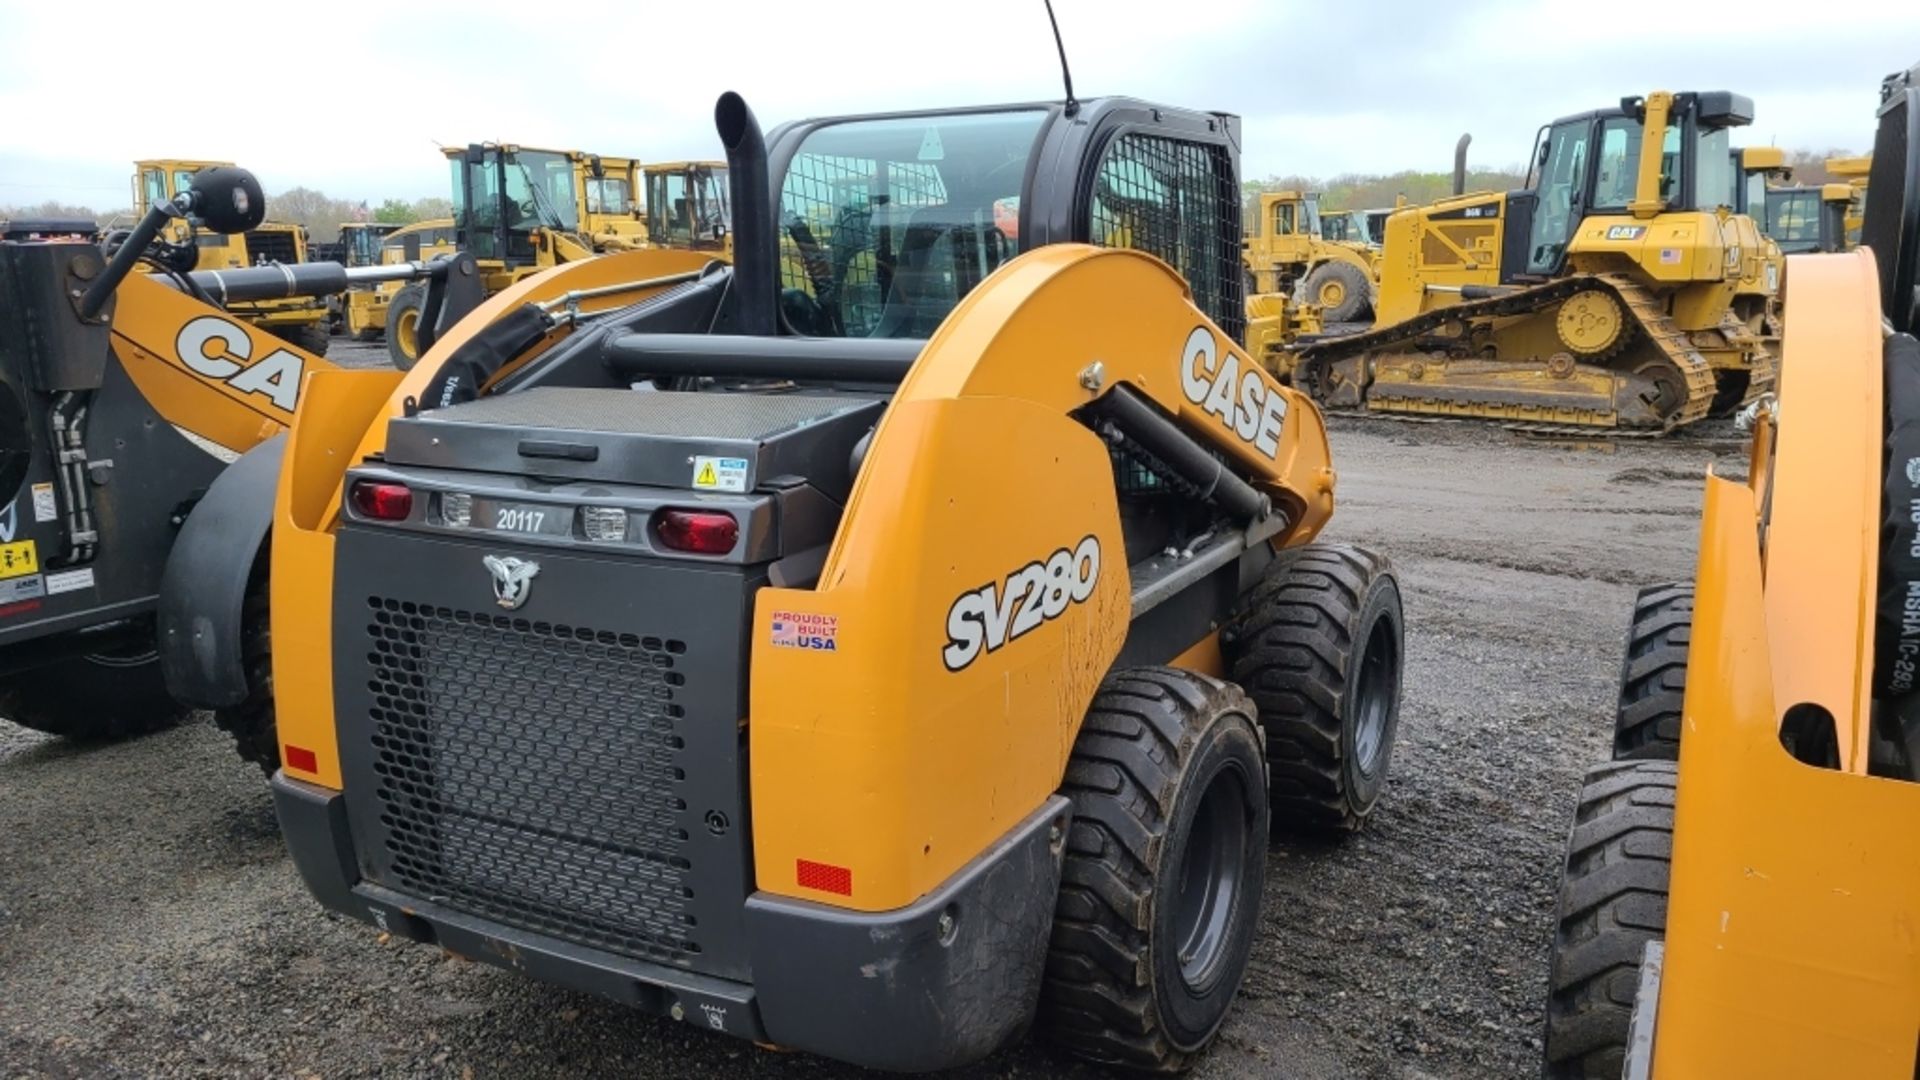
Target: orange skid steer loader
point(914, 596)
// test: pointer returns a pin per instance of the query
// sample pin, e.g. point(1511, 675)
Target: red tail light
point(703, 532)
point(382, 502)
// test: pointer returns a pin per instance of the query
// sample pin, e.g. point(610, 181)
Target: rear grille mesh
point(529, 773)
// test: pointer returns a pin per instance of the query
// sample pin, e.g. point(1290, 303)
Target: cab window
point(885, 224)
point(1172, 198)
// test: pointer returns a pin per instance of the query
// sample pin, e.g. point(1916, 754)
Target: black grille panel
point(271, 246)
point(531, 773)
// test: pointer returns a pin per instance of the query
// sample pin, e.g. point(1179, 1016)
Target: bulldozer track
point(1694, 375)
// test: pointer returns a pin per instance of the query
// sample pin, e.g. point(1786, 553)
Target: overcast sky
point(353, 98)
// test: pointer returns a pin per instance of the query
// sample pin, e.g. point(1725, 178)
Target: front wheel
point(1318, 645)
point(1613, 904)
point(115, 693)
point(1340, 289)
point(1160, 887)
point(403, 326)
point(314, 337)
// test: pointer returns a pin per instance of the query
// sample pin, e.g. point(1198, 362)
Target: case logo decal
point(276, 377)
point(1242, 401)
point(987, 618)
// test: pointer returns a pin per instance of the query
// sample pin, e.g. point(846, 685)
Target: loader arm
point(205, 371)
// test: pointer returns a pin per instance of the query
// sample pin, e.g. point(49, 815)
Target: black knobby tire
point(1318, 645)
point(405, 305)
point(1161, 881)
point(251, 723)
point(1896, 642)
point(313, 337)
point(1653, 674)
point(93, 697)
point(1613, 902)
point(1358, 298)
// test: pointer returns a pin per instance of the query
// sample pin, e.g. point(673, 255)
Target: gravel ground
point(151, 924)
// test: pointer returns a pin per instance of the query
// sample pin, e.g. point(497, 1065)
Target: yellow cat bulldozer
point(899, 635)
point(1286, 251)
point(1617, 291)
point(299, 320)
point(139, 428)
point(1742, 884)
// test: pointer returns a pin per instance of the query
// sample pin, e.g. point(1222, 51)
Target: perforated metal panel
point(531, 773)
point(1177, 200)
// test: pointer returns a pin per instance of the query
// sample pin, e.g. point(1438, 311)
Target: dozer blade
point(1481, 359)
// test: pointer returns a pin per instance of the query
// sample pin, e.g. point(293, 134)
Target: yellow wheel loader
point(139, 424)
point(1286, 251)
point(520, 210)
point(366, 307)
point(902, 633)
point(297, 320)
point(1615, 292)
point(360, 244)
point(687, 206)
point(1742, 884)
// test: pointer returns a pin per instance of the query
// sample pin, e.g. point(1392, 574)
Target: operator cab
point(687, 206)
point(886, 222)
point(1807, 219)
point(503, 194)
point(1590, 164)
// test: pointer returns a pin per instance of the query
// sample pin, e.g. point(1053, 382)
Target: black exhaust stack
point(755, 243)
point(1460, 164)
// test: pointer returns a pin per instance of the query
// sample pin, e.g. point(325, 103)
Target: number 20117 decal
point(986, 618)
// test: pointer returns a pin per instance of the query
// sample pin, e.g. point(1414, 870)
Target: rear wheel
point(115, 693)
point(1340, 289)
point(403, 326)
point(1613, 902)
point(1653, 676)
point(1318, 646)
point(1160, 888)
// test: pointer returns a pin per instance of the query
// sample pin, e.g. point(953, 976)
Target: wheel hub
point(1208, 883)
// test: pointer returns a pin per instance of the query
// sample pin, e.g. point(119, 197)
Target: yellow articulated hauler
point(1616, 291)
point(902, 633)
point(1742, 883)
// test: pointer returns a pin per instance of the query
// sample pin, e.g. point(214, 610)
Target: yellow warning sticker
point(720, 473)
point(18, 559)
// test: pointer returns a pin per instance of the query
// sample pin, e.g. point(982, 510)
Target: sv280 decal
point(987, 618)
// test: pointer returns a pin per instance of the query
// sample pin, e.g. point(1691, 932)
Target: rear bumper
point(945, 981)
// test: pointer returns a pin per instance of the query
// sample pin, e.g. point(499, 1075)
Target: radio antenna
point(1066, 76)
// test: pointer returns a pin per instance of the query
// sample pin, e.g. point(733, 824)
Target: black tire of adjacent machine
point(251, 722)
point(1653, 674)
point(1318, 645)
point(1357, 292)
point(1161, 880)
point(314, 337)
point(1613, 902)
point(93, 697)
point(403, 321)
